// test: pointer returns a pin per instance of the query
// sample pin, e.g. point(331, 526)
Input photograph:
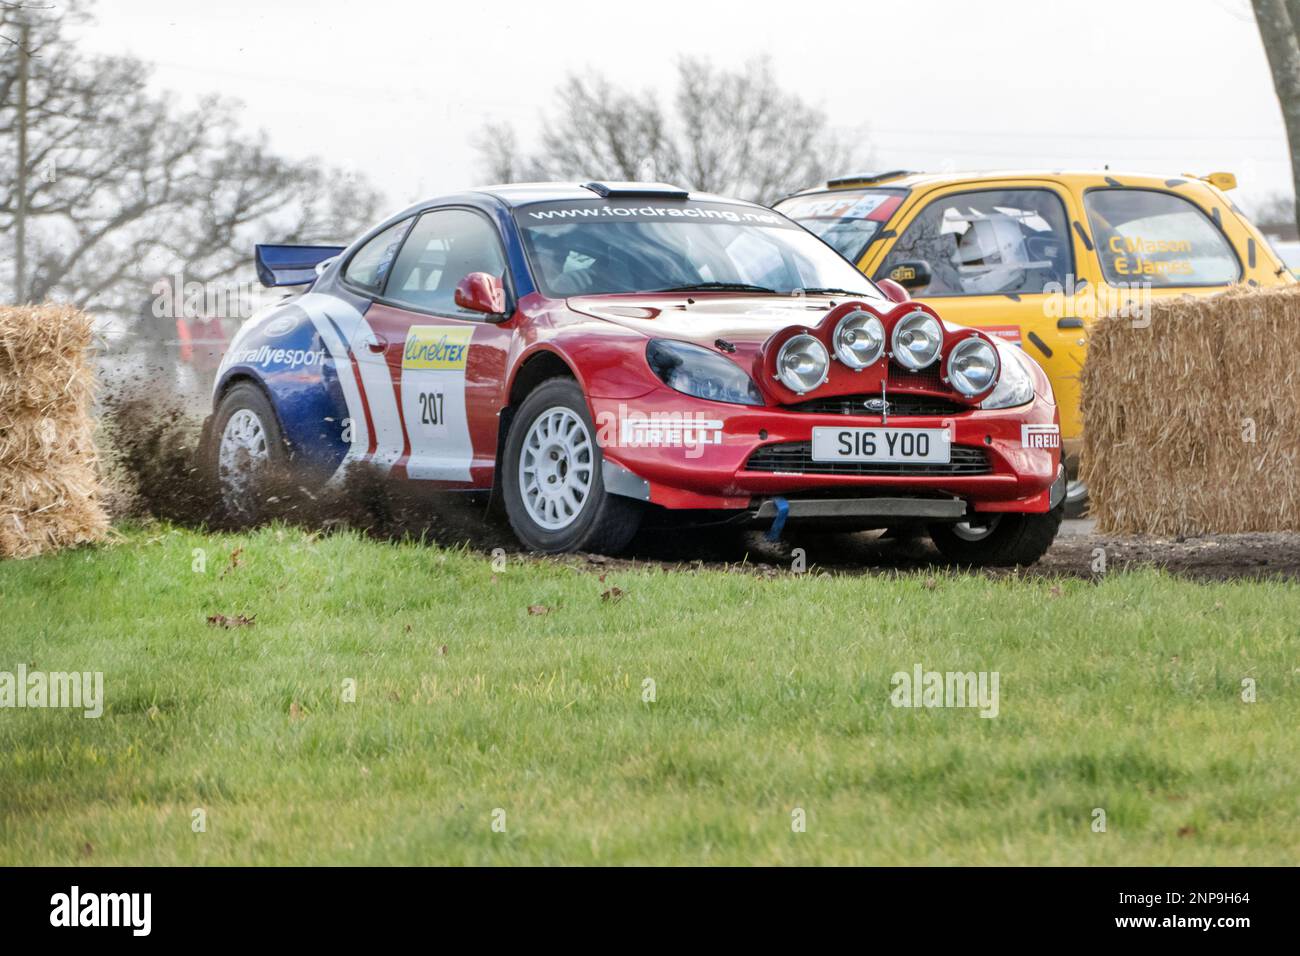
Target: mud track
point(152, 451)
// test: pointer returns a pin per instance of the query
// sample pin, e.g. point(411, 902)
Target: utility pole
point(20, 180)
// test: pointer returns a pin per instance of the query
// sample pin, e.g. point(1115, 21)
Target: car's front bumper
point(684, 453)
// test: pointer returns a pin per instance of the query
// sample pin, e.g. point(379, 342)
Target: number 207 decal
point(431, 408)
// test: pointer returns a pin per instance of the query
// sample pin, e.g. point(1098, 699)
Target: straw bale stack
point(49, 486)
point(1192, 424)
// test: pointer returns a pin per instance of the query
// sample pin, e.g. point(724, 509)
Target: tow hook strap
point(782, 511)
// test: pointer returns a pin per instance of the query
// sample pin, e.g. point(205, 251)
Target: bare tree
point(120, 186)
point(607, 132)
point(1275, 213)
point(498, 147)
point(731, 132)
point(1278, 21)
point(742, 135)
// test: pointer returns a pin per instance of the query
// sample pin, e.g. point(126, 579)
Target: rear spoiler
point(291, 265)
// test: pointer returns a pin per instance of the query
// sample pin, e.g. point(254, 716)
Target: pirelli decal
point(1040, 436)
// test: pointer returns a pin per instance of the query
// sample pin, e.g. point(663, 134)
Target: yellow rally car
point(1035, 256)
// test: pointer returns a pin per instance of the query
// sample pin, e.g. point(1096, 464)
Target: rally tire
point(1017, 540)
point(1076, 500)
point(242, 482)
point(602, 523)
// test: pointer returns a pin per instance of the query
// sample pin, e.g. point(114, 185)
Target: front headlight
point(802, 364)
point(917, 340)
point(972, 366)
point(1015, 386)
point(694, 370)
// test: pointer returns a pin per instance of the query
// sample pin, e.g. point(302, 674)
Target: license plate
point(921, 445)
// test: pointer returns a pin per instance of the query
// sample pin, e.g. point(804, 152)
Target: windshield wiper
point(829, 291)
point(720, 287)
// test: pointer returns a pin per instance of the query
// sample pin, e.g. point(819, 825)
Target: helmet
point(991, 255)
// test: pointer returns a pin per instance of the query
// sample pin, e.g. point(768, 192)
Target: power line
point(1052, 134)
point(1034, 152)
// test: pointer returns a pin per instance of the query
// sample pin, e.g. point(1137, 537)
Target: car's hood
point(744, 327)
point(703, 318)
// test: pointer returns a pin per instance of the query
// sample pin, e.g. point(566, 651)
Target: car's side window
point(984, 242)
point(1144, 235)
point(444, 247)
point(369, 267)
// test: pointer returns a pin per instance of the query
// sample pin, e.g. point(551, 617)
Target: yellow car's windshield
point(846, 219)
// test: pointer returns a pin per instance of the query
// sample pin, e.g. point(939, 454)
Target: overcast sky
point(397, 88)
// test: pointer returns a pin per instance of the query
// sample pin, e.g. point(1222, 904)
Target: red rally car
point(596, 353)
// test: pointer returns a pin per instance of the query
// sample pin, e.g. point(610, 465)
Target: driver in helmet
point(993, 256)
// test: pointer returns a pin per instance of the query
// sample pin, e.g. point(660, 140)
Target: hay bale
point(49, 484)
point(1192, 424)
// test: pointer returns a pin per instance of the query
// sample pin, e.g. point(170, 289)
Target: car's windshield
point(848, 219)
point(616, 247)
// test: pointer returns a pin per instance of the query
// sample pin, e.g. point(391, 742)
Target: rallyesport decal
point(1040, 436)
point(434, 358)
point(363, 376)
point(288, 358)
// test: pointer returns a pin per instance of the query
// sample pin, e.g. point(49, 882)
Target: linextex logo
point(103, 909)
point(78, 690)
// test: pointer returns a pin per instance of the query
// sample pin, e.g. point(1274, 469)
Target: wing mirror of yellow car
point(910, 273)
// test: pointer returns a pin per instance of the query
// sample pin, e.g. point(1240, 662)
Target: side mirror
point(893, 291)
point(911, 274)
point(481, 292)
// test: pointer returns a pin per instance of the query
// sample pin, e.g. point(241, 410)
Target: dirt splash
point(156, 469)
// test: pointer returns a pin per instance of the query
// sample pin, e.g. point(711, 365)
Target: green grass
point(772, 694)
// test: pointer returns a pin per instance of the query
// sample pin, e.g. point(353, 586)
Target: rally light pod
point(859, 339)
point(802, 363)
point(916, 340)
point(973, 366)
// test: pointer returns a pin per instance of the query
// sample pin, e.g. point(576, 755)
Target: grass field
point(771, 694)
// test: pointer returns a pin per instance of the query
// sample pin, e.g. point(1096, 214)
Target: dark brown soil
point(152, 448)
point(1222, 557)
point(1077, 553)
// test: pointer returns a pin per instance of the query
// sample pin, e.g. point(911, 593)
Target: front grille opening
point(901, 404)
point(929, 378)
point(796, 456)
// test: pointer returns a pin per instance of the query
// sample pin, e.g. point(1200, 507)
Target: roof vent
point(625, 190)
point(864, 178)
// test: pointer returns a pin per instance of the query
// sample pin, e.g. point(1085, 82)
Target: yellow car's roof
point(1070, 178)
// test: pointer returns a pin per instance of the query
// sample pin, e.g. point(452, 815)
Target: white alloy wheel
point(242, 453)
point(556, 468)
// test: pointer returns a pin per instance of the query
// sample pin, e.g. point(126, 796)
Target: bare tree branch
point(125, 187)
point(731, 132)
